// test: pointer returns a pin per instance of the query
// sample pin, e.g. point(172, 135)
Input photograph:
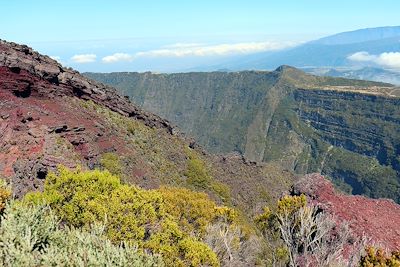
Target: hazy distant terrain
point(368, 54)
point(364, 73)
point(332, 51)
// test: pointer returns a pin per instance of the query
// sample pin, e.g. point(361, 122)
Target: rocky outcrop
point(25, 72)
point(375, 219)
point(43, 121)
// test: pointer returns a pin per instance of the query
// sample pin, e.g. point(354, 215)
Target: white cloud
point(214, 50)
point(200, 50)
point(85, 58)
point(117, 57)
point(183, 45)
point(390, 59)
point(362, 56)
point(387, 59)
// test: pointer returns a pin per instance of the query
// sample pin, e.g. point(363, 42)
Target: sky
point(176, 34)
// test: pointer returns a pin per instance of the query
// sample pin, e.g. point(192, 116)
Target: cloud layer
point(387, 59)
point(85, 58)
point(117, 57)
point(200, 50)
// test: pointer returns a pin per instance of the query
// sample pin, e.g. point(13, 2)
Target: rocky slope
point(346, 129)
point(50, 115)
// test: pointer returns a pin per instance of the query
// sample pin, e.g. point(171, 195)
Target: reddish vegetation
point(377, 219)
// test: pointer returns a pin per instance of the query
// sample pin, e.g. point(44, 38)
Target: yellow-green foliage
point(5, 194)
point(75, 195)
point(378, 258)
point(286, 206)
point(262, 220)
point(195, 210)
point(290, 204)
point(112, 163)
point(197, 173)
point(268, 223)
point(130, 214)
point(222, 190)
point(199, 177)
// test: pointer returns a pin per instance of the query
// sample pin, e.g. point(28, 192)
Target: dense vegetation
point(89, 218)
point(145, 218)
point(285, 116)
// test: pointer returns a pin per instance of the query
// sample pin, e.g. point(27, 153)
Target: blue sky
point(146, 35)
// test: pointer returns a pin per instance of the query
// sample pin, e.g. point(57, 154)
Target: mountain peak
point(284, 68)
point(293, 75)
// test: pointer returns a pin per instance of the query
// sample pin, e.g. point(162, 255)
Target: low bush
point(379, 258)
point(145, 218)
point(30, 235)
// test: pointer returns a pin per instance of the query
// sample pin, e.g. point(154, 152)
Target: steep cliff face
point(351, 137)
point(346, 129)
point(214, 108)
point(364, 124)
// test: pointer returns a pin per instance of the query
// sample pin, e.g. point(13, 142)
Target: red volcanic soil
point(37, 133)
point(44, 123)
point(377, 219)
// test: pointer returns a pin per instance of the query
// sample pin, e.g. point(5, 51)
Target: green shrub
point(379, 258)
point(197, 173)
point(199, 177)
point(311, 237)
point(31, 236)
point(112, 163)
point(5, 194)
point(130, 214)
point(194, 210)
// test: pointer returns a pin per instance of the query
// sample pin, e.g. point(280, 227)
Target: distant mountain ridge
point(358, 36)
point(306, 123)
point(364, 73)
point(328, 52)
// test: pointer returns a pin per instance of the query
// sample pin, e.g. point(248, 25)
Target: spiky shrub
point(30, 235)
point(130, 214)
point(311, 237)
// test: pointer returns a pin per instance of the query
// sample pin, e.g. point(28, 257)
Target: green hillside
point(345, 129)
